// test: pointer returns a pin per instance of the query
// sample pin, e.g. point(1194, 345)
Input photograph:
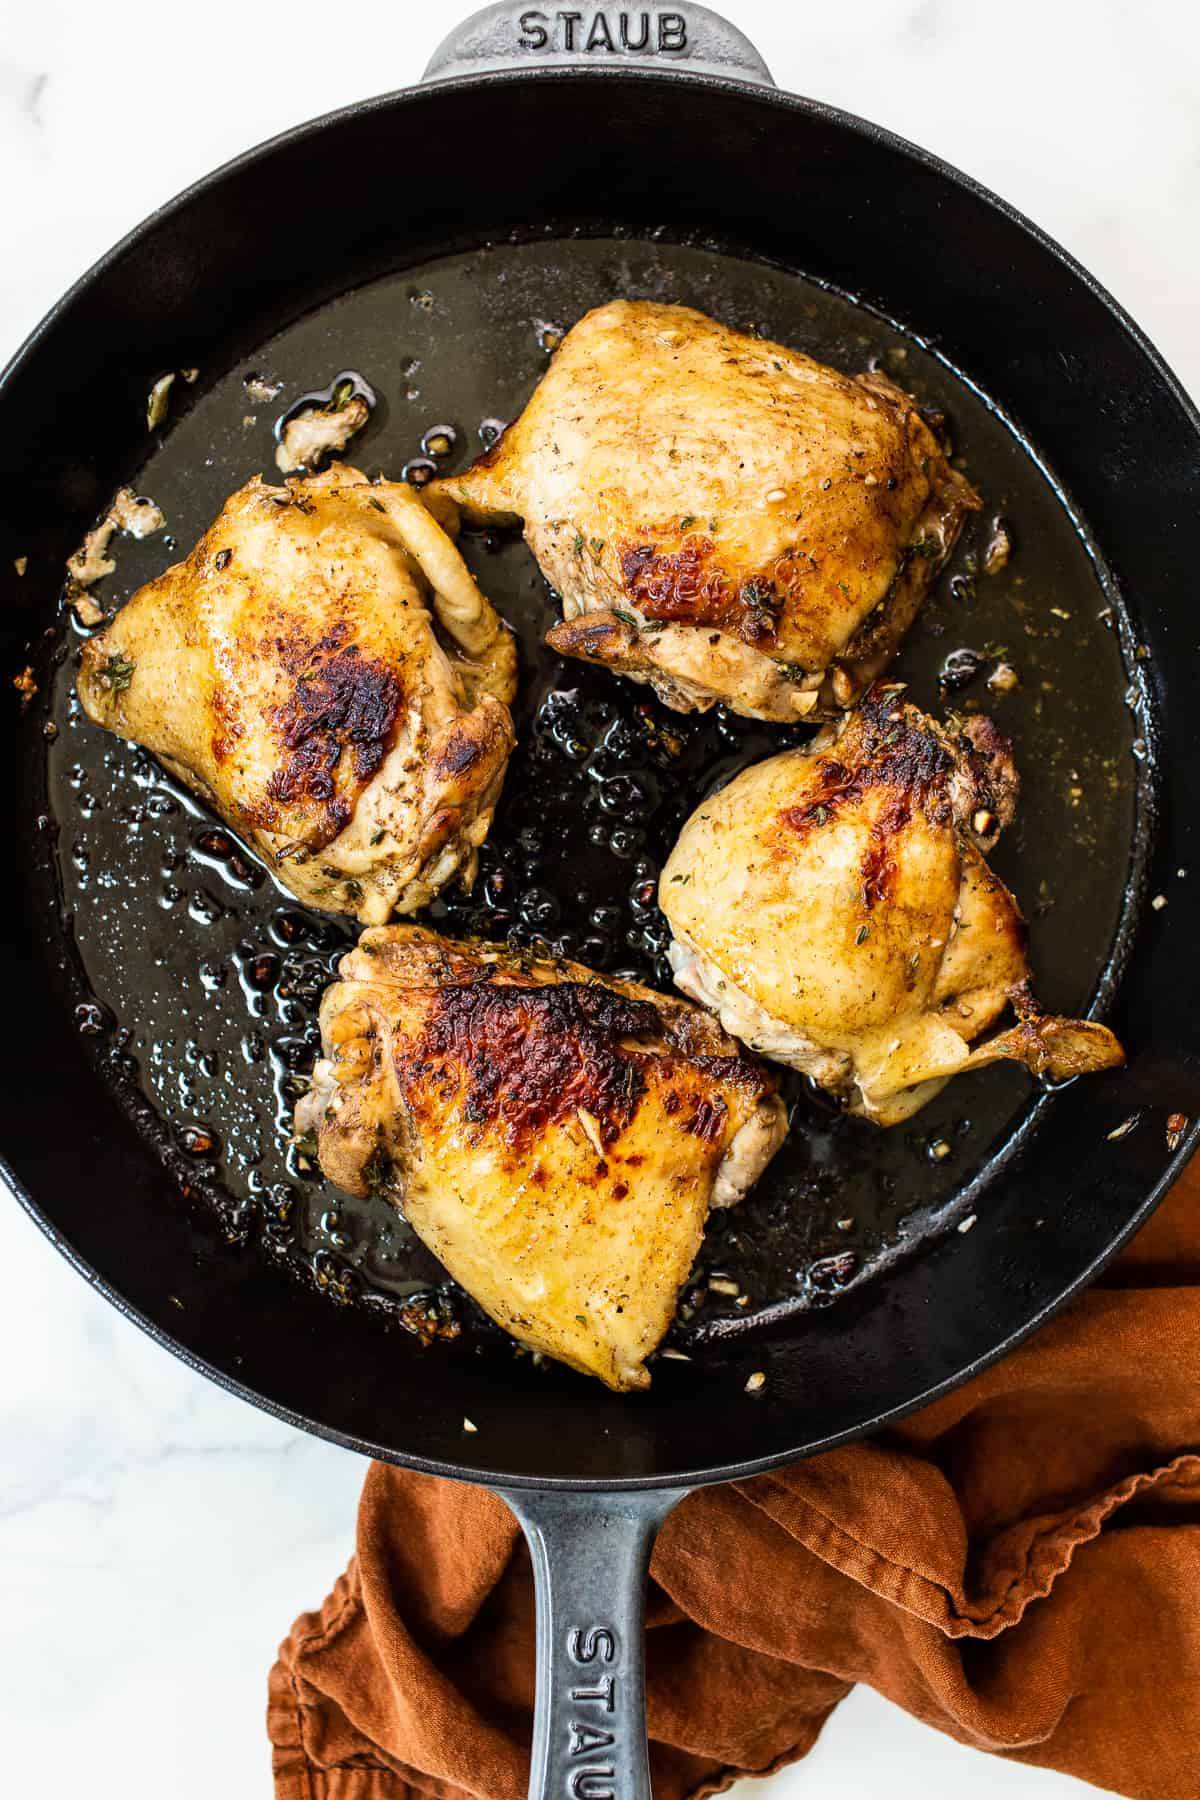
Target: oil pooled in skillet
point(207, 976)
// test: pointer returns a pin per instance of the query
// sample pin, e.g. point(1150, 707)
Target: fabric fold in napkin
point(1018, 1565)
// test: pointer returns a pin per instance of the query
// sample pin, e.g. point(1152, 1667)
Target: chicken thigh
point(323, 671)
point(724, 518)
point(556, 1138)
point(833, 906)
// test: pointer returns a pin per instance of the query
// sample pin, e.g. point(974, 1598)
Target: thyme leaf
point(118, 673)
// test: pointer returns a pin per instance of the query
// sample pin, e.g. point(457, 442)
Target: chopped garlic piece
point(91, 562)
point(138, 517)
point(157, 400)
point(85, 608)
point(305, 440)
point(997, 552)
point(260, 390)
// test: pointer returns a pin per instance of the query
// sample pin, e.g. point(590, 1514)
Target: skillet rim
point(770, 97)
point(683, 1479)
point(877, 135)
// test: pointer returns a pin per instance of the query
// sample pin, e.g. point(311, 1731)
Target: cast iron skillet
point(551, 171)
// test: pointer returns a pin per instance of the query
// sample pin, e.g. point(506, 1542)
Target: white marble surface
point(157, 1537)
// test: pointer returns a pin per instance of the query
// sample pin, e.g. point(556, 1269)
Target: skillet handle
point(590, 1556)
point(681, 38)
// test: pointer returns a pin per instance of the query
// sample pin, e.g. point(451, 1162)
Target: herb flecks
point(116, 672)
point(377, 1173)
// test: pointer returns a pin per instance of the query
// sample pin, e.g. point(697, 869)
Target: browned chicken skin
point(555, 1137)
point(724, 518)
point(324, 672)
point(834, 908)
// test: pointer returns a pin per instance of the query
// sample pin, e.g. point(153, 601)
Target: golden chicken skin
point(556, 1138)
point(323, 671)
point(833, 906)
point(724, 518)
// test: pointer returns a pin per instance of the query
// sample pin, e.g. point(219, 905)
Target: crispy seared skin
point(556, 1138)
point(724, 518)
point(324, 672)
point(833, 905)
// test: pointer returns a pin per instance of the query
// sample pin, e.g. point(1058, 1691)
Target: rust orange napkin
point(1018, 1565)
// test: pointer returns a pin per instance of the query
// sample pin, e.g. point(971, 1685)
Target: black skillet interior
point(165, 989)
point(210, 979)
